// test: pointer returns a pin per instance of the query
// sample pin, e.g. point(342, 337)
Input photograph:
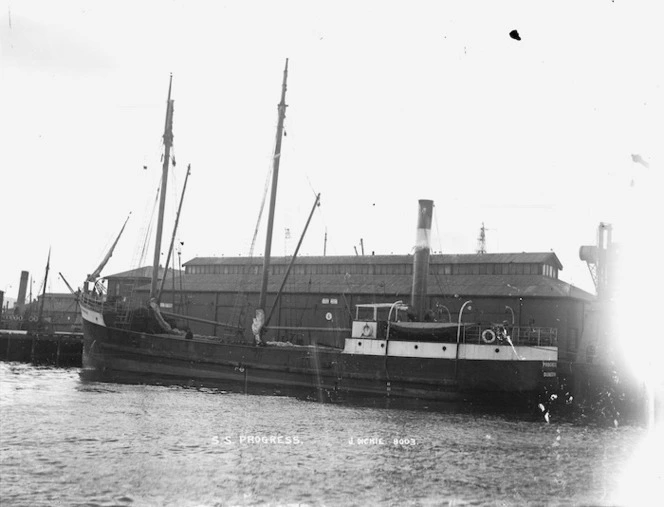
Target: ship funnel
point(421, 258)
point(22, 290)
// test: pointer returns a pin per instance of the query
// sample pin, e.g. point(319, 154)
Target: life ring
point(488, 336)
point(367, 332)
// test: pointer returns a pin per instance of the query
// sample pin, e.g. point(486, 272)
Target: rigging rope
point(435, 216)
point(148, 229)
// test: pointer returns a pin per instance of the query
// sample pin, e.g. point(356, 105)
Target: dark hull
point(112, 354)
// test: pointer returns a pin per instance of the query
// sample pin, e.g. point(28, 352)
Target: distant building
point(60, 311)
point(321, 292)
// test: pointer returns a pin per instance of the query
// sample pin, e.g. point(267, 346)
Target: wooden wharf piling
point(51, 348)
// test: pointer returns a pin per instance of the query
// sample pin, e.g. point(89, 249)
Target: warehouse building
point(319, 295)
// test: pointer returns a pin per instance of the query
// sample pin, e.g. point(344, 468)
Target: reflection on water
point(73, 442)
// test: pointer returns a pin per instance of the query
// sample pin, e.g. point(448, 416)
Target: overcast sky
point(389, 102)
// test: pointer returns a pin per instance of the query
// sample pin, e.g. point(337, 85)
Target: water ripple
point(64, 441)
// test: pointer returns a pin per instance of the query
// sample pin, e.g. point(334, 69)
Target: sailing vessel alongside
point(393, 350)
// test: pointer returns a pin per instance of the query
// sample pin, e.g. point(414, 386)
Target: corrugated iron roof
point(500, 258)
point(396, 285)
point(142, 272)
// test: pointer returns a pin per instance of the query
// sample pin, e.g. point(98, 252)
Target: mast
point(175, 229)
point(41, 305)
point(273, 194)
point(168, 142)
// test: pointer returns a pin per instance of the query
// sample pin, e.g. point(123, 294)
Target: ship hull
point(121, 355)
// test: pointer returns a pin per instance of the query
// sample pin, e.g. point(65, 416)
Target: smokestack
point(421, 258)
point(22, 289)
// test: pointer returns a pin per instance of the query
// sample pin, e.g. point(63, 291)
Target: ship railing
point(104, 304)
point(532, 336)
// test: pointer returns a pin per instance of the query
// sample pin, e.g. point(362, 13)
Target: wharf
point(49, 348)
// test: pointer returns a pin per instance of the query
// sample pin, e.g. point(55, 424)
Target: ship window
point(573, 341)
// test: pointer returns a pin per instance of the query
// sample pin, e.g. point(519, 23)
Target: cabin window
point(365, 313)
point(573, 340)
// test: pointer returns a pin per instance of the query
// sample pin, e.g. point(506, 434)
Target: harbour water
point(65, 441)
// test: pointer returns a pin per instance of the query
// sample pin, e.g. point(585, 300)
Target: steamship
point(391, 350)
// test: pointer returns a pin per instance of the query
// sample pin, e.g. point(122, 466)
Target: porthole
point(382, 345)
point(416, 346)
point(359, 344)
point(497, 350)
point(444, 348)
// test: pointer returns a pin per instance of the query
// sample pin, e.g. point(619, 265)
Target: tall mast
point(41, 304)
point(273, 194)
point(168, 142)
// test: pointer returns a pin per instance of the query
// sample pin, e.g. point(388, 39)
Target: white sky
point(389, 102)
